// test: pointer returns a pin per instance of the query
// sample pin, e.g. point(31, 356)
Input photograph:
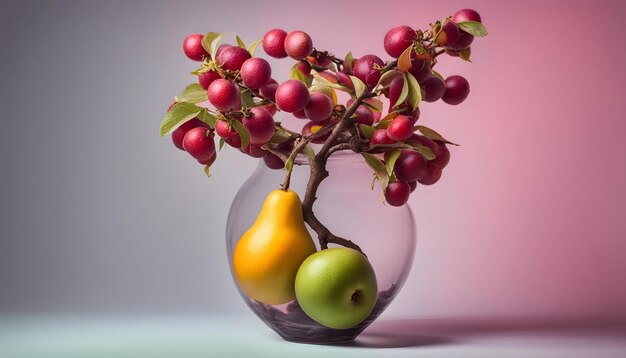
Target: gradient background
point(98, 215)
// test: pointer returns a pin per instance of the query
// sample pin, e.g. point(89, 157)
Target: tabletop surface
point(181, 337)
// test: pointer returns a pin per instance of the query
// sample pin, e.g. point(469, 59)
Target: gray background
point(100, 215)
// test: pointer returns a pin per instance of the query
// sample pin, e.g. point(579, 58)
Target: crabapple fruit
point(457, 90)
point(397, 193)
point(319, 107)
point(206, 78)
point(434, 88)
point(199, 143)
point(192, 46)
point(410, 166)
point(292, 96)
point(255, 72)
point(380, 136)
point(364, 69)
point(298, 45)
point(179, 133)
point(224, 95)
point(260, 125)
point(398, 39)
point(232, 58)
point(400, 128)
point(274, 43)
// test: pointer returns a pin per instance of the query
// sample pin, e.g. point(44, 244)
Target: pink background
point(100, 215)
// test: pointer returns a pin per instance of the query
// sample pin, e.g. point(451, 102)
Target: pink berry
point(207, 78)
point(380, 137)
point(292, 96)
point(420, 69)
point(274, 43)
point(433, 175)
point(319, 107)
point(410, 166)
point(224, 95)
point(464, 41)
point(449, 34)
point(298, 45)
point(398, 39)
point(434, 88)
point(364, 70)
point(273, 162)
point(221, 48)
point(443, 155)
point(232, 58)
point(464, 15)
point(199, 143)
point(179, 133)
point(224, 130)
point(457, 90)
point(255, 72)
point(192, 46)
point(255, 151)
point(234, 141)
point(364, 115)
point(397, 193)
point(400, 128)
point(268, 91)
point(260, 125)
point(209, 161)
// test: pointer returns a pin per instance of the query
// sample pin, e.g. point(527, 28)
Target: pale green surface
point(177, 337)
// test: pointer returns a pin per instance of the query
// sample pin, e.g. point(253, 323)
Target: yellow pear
point(268, 255)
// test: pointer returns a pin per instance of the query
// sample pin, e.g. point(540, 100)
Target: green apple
point(336, 287)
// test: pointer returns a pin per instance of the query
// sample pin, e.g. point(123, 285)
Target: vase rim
point(344, 155)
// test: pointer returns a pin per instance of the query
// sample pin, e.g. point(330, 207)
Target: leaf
point(206, 170)
point(387, 77)
point(347, 61)
point(379, 169)
point(252, 47)
point(194, 93)
point(403, 94)
point(296, 74)
point(367, 130)
point(430, 133)
point(280, 135)
point(374, 104)
point(309, 152)
point(246, 99)
point(473, 28)
point(240, 42)
point(289, 164)
point(242, 131)
point(359, 86)
point(465, 54)
point(179, 114)
point(207, 42)
point(391, 161)
point(325, 82)
point(207, 117)
point(386, 120)
point(437, 74)
point(404, 61)
point(222, 141)
point(426, 152)
point(415, 92)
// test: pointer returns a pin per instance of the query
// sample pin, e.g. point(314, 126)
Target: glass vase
point(348, 206)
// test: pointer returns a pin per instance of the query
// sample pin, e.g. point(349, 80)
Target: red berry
point(464, 41)
point(268, 91)
point(457, 90)
point(292, 96)
point(192, 46)
point(395, 89)
point(449, 34)
point(412, 185)
point(312, 128)
point(179, 133)
point(420, 69)
point(433, 175)
point(300, 114)
point(274, 43)
point(364, 115)
point(298, 45)
point(443, 155)
point(398, 39)
point(319, 107)
point(260, 125)
point(224, 130)
point(234, 141)
point(255, 72)
point(466, 15)
point(232, 58)
point(199, 143)
point(380, 137)
point(273, 162)
point(344, 80)
point(224, 95)
point(255, 151)
point(400, 128)
point(427, 142)
point(209, 161)
point(397, 193)
point(221, 48)
point(410, 166)
point(364, 70)
point(434, 88)
point(207, 78)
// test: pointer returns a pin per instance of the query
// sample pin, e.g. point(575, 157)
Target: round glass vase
point(348, 206)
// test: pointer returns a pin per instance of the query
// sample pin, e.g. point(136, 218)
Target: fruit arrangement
point(364, 105)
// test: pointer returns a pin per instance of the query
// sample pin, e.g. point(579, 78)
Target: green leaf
point(473, 28)
point(423, 150)
point(347, 61)
point(252, 47)
point(309, 152)
point(430, 133)
point(359, 86)
point(387, 77)
point(374, 104)
point(386, 120)
point(222, 141)
point(403, 94)
point(465, 54)
point(194, 93)
point(206, 170)
point(240, 42)
point(437, 74)
point(295, 74)
point(415, 92)
point(391, 161)
point(242, 131)
point(379, 169)
point(207, 117)
point(321, 80)
point(367, 130)
point(207, 42)
point(246, 99)
point(280, 135)
point(289, 164)
point(181, 113)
